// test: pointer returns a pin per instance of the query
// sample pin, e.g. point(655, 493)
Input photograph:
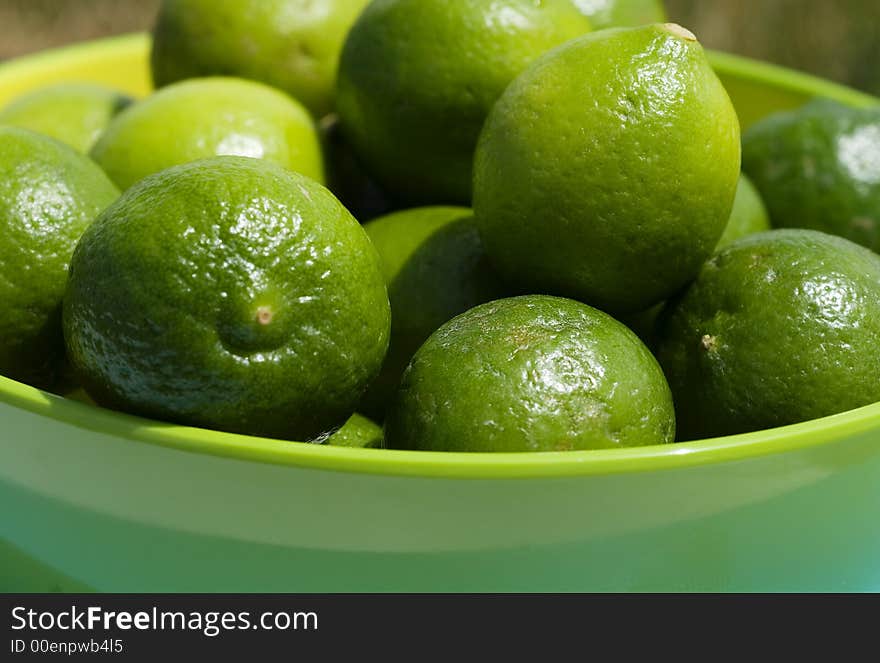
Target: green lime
point(74, 113)
point(618, 200)
point(418, 77)
point(202, 118)
point(358, 432)
point(749, 214)
point(620, 13)
point(228, 293)
point(293, 45)
point(79, 395)
point(818, 167)
point(532, 373)
point(49, 194)
point(435, 269)
point(780, 327)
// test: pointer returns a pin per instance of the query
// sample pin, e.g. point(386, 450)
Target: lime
point(533, 373)
point(418, 77)
point(780, 327)
point(208, 117)
point(435, 268)
point(749, 214)
point(49, 194)
point(79, 395)
point(358, 432)
point(617, 200)
point(228, 293)
point(293, 45)
point(620, 13)
point(818, 167)
point(74, 113)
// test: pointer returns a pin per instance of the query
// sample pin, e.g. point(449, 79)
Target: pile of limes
point(491, 225)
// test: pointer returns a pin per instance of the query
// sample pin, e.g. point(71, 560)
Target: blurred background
point(836, 39)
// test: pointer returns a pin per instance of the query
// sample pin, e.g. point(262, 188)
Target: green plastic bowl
point(96, 500)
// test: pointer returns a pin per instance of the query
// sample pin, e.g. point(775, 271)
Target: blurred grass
point(34, 25)
point(836, 39)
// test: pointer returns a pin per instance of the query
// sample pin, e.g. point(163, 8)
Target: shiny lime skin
point(230, 294)
point(74, 113)
point(749, 214)
point(359, 433)
point(818, 167)
point(435, 269)
point(620, 13)
point(532, 373)
point(49, 194)
point(617, 200)
point(206, 117)
point(418, 77)
point(780, 327)
point(293, 45)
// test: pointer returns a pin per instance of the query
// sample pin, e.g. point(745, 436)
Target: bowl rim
point(438, 464)
point(426, 464)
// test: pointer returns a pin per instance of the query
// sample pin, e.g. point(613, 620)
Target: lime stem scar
point(264, 315)
point(679, 31)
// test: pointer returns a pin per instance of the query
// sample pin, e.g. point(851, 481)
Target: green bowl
point(95, 500)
